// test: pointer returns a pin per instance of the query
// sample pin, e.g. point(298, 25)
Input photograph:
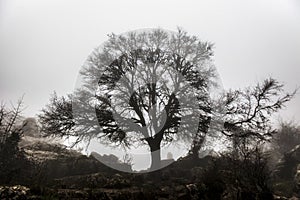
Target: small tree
point(10, 135)
point(146, 88)
point(247, 124)
point(57, 118)
point(248, 112)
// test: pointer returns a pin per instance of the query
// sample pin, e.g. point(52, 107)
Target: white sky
point(44, 43)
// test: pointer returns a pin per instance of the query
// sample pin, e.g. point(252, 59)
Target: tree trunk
point(155, 154)
point(196, 146)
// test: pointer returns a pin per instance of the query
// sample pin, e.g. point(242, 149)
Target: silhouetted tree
point(57, 117)
point(248, 112)
point(146, 88)
point(10, 135)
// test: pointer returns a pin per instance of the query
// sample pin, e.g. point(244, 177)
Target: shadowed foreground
point(53, 172)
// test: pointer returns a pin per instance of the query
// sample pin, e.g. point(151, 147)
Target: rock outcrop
point(112, 161)
point(50, 161)
point(30, 127)
point(47, 159)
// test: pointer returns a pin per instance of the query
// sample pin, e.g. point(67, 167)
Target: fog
point(43, 44)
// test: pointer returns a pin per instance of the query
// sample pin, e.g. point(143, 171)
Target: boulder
point(30, 127)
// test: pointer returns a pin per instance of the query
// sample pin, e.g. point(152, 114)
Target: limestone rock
point(30, 127)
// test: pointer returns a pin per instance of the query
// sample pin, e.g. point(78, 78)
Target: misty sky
point(44, 43)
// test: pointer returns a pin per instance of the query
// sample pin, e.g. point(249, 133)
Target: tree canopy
point(149, 87)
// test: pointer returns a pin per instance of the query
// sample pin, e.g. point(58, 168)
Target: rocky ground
point(55, 172)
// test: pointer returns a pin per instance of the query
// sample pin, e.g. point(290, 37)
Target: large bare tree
point(149, 87)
